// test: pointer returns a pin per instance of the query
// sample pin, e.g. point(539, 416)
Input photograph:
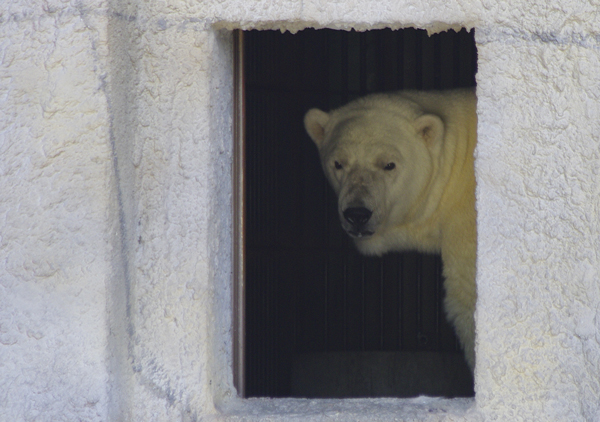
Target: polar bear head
point(380, 154)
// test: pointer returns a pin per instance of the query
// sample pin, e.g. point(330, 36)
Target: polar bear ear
point(314, 122)
point(431, 128)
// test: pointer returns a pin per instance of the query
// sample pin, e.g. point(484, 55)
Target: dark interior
point(322, 320)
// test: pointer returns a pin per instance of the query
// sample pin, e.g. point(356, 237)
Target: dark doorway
point(322, 320)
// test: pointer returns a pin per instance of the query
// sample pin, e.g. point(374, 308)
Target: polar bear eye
point(390, 166)
point(337, 165)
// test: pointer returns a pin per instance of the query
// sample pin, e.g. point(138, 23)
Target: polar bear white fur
point(402, 167)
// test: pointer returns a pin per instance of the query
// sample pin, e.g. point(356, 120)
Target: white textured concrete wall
point(58, 217)
point(115, 237)
point(171, 103)
point(538, 168)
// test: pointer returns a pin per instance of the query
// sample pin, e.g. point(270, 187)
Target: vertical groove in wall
point(307, 288)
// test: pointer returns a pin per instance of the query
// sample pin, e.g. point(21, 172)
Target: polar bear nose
point(357, 216)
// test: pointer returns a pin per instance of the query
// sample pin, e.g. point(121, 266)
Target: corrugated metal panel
point(307, 289)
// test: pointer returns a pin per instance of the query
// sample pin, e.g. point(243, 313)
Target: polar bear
point(401, 165)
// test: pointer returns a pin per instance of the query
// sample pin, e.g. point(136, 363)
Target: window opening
point(320, 319)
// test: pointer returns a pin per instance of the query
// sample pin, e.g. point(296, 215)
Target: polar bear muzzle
point(357, 217)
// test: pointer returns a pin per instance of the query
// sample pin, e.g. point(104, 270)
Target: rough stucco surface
point(382, 409)
point(538, 169)
point(175, 190)
point(57, 219)
point(115, 223)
